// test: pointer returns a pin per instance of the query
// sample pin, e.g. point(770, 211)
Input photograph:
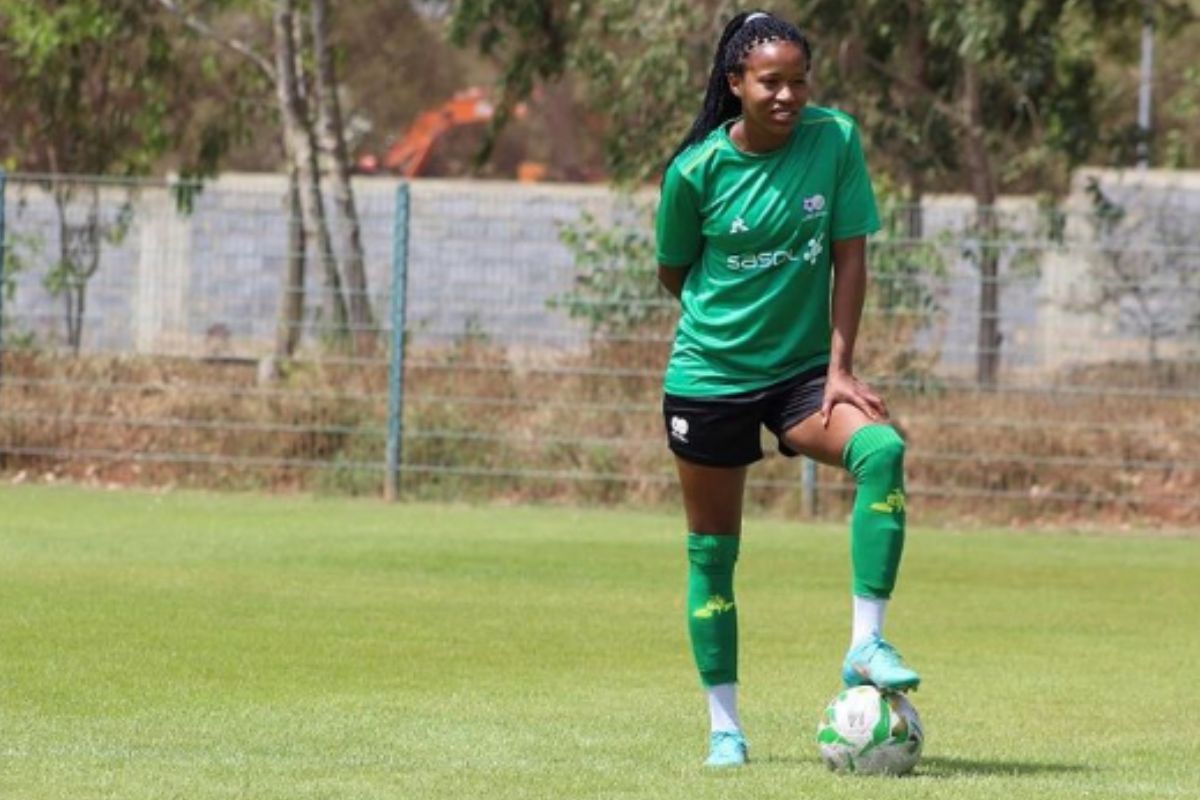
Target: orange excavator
point(411, 152)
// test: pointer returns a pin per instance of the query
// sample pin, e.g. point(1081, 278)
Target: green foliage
point(642, 65)
point(905, 267)
point(902, 67)
point(616, 287)
point(646, 65)
point(185, 193)
point(529, 39)
point(1106, 214)
point(898, 66)
point(20, 251)
point(97, 88)
point(100, 87)
point(1179, 150)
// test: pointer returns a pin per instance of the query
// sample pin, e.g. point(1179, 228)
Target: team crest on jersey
point(739, 226)
point(814, 206)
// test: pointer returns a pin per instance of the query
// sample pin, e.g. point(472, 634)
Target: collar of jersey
point(776, 153)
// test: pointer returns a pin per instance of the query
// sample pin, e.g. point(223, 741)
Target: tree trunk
point(983, 188)
point(302, 152)
point(561, 114)
point(349, 231)
point(291, 296)
point(64, 262)
point(89, 260)
point(915, 62)
point(79, 306)
point(79, 260)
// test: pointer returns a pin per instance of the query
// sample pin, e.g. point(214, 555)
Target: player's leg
point(714, 441)
point(874, 455)
point(712, 499)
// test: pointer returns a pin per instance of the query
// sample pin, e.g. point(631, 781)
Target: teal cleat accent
point(877, 663)
point(727, 749)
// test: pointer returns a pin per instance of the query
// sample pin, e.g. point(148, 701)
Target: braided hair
point(744, 32)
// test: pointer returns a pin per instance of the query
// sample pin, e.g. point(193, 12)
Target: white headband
point(756, 15)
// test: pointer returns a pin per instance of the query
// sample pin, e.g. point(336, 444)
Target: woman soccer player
point(762, 228)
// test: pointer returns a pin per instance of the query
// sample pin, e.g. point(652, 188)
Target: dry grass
point(1102, 445)
point(181, 421)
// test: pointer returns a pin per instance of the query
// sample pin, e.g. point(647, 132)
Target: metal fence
point(516, 343)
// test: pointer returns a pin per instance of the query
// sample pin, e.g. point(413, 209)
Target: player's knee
point(713, 554)
point(881, 456)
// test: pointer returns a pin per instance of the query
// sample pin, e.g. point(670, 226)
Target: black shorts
point(725, 431)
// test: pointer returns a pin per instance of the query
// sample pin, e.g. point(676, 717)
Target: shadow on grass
point(949, 767)
point(935, 767)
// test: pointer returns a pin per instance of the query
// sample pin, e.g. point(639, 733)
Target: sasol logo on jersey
point(815, 248)
point(773, 258)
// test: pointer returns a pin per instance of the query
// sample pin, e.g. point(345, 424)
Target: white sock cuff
point(722, 707)
point(869, 613)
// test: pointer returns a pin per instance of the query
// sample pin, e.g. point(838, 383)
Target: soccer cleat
point(876, 662)
point(727, 749)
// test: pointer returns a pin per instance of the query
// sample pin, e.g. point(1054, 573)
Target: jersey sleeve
point(854, 211)
point(677, 224)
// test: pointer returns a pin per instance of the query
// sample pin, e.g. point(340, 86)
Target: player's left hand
point(844, 387)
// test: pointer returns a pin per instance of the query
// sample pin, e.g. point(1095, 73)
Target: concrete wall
point(1155, 245)
point(486, 257)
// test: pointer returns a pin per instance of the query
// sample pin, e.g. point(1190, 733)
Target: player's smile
point(783, 115)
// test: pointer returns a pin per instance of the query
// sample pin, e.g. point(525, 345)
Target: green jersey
point(756, 231)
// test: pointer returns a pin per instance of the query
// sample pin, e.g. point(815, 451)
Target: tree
point(333, 137)
point(646, 65)
point(301, 146)
point(527, 39)
point(643, 66)
point(94, 88)
point(301, 70)
point(987, 92)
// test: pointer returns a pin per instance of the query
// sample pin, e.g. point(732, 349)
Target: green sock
point(875, 456)
point(712, 615)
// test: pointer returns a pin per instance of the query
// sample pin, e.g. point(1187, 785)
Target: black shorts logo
point(679, 429)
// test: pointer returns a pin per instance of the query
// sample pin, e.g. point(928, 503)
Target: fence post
point(3, 186)
point(808, 487)
point(395, 434)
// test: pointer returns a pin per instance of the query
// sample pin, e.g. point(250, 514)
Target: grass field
point(228, 646)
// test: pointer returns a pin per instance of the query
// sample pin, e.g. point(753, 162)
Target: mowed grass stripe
point(219, 646)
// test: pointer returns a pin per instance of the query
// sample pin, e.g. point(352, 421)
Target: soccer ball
point(864, 730)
